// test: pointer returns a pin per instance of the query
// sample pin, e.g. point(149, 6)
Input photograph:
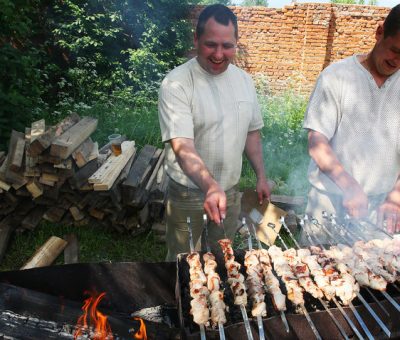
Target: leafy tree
point(255, 3)
point(355, 2)
point(211, 2)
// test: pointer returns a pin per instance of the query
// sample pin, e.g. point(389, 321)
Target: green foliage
point(212, 2)
point(255, 3)
point(355, 2)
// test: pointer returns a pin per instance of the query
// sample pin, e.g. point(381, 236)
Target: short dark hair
point(222, 14)
point(392, 22)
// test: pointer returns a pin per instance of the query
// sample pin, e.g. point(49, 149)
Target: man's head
point(386, 52)
point(215, 38)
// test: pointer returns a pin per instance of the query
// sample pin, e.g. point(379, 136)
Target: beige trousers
point(183, 202)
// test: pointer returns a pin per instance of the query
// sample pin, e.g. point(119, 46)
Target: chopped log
point(86, 199)
point(69, 141)
point(86, 152)
point(48, 183)
point(2, 157)
point(76, 213)
point(54, 214)
point(105, 177)
point(46, 254)
point(37, 129)
point(41, 143)
point(81, 177)
point(71, 251)
point(14, 178)
point(33, 218)
point(154, 174)
point(18, 156)
point(138, 173)
point(6, 229)
point(35, 188)
point(159, 188)
point(96, 213)
point(64, 164)
point(4, 186)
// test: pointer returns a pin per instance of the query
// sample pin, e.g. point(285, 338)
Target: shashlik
point(216, 297)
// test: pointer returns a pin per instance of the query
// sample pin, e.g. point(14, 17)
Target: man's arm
point(355, 201)
point(389, 211)
point(193, 166)
point(253, 151)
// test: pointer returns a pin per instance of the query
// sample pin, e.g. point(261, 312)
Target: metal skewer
point(355, 312)
point(202, 328)
point(272, 226)
point(338, 325)
point(223, 227)
point(259, 317)
point(342, 331)
point(366, 305)
point(384, 293)
point(282, 220)
point(283, 315)
point(221, 329)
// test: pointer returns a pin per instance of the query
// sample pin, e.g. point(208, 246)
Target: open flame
point(92, 319)
point(93, 323)
point(141, 333)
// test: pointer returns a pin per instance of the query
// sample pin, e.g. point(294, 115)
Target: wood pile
point(57, 173)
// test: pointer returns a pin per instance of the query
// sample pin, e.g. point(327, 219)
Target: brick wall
point(292, 45)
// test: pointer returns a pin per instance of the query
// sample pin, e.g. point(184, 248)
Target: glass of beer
point(115, 140)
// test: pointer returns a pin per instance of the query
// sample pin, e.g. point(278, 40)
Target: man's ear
point(379, 31)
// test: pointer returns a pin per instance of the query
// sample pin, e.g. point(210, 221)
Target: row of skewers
point(333, 275)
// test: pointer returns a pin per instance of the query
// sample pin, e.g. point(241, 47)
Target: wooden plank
point(105, 177)
point(71, 251)
point(42, 142)
point(4, 186)
point(115, 191)
point(46, 254)
point(67, 143)
point(11, 176)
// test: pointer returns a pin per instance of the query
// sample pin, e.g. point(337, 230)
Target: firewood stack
point(58, 174)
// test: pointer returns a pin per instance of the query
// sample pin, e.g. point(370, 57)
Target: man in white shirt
point(209, 115)
point(353, 123)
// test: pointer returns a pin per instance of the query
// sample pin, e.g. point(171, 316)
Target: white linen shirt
point(361, 122)
point(217, 111)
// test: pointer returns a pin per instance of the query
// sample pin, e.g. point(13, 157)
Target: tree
point(255, 3)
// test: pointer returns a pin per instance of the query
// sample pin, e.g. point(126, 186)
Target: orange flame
point(141, 333)
point(96, 320)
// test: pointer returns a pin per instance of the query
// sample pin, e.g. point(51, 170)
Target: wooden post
point(47, 253)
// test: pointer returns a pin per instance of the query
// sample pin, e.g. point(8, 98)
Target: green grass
point(96, 244)
point(285, 156)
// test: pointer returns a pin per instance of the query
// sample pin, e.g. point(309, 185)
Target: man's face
point(216, 47)
point(387, 53)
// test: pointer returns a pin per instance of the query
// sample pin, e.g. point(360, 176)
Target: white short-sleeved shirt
point(361, 122)
point(217, 111)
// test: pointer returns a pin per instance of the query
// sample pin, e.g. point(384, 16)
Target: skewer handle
point(246, 322)
point(260, 327)
point(202, 332)
point(221, 331)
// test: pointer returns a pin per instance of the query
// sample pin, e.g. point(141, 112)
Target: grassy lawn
point(285, 158)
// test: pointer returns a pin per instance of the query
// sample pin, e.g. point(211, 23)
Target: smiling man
point(353, 122)
point(209, 116)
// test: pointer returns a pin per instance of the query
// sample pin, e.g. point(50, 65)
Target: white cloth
point(217, 111)
point(362, 124)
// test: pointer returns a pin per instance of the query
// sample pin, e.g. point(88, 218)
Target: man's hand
point(355, 201)
point(215, 203)
point(389, 212)
point(263, 190)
